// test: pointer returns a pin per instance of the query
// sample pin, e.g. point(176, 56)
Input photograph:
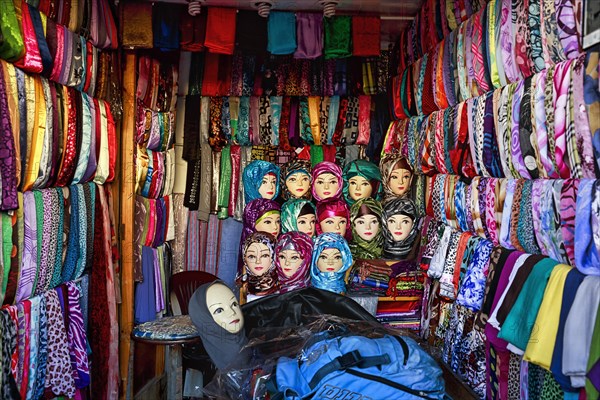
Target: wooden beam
point(127, 213)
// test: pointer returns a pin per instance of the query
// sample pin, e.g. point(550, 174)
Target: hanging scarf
point(220, 30)
point(366, 170)
point(281, 26)
point(361, 248)
point(252, 178)
point(332, 281)
point(291, 210)
point(266, 283)
point(309, 30)
point(586, 251)
point(251, 32)
point(333, 208)
point(294, 166)
point(366, 36)
point(393, 249)
point(337, 37)
point(301, 243)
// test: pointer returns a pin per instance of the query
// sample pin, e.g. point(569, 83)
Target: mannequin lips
point(259, 268)
point(235, 321)
point(397, 233)
point(357, 194)
point(270, 193)
point(368, 233)
point(331, 269)
point(326, 193)
point(300, 190)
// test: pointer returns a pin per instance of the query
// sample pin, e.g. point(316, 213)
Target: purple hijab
point(327, 167)
point(303, 244)
point(253, 211)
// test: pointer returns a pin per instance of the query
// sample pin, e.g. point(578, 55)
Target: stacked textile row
point(250, 75)
point(483, 55)
point(536, 128)
point(554, 217)
point(434, 21)
point(154, 221)
point(52, 135)
point(220, 30)
point(509, 318)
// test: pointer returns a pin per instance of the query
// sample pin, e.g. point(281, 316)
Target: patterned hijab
point(266, 283)
point(253, 211)
point(367, 170)
point(398, 249)
point(292, 210)
point(361, 248)
point(292, 167)
point(303, 244)
point(252, 178)
point(388, 164)
point(333, 208)
point(327, 167)
point(332, 281)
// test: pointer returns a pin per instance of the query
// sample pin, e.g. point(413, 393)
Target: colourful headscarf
point(253, 211)
point(303, 244)
point(361, 248)
point(332, 281)
point(292, 167)
point(367, 170)
point(398, 250)
point(292, 210)
point(333, 208)
point(266, 283)
point(388, 164)
point(330, 168)
point(252, 178)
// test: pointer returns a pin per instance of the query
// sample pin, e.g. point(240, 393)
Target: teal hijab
point(367, 170)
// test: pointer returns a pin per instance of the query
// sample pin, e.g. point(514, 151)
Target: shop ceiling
point(396, 14)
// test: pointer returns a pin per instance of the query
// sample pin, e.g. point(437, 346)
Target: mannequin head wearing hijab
point(334, 216)
point(361, 179)
point(400, 228)
point(258, 253)
point(261, 180)
point(367, 234)
point(293, 253)
point(298, 215)
point(297, 176)
point(331, 259)
point(261, 215)
point(396, 174)
point(327, 181)
point(215, 311)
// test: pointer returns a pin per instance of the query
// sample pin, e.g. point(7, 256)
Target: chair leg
point(129, 392)
point(174, 372)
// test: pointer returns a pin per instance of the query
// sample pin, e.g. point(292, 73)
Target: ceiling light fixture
point(329, 7)
point(263, 6)
point(194, 7)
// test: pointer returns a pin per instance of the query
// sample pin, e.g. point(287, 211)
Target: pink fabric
point(364, 120)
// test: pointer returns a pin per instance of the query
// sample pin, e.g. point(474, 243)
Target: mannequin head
point(367, 235)
point(298, 215)
point(400, 228)
point(224, 308)
point(293, 253)
point(261, 180)
point(327, 181)
point(333, 216)
point(362, 179)
point(258, 253)
point(397, 175)
point(297, 176)
point(331, 259)
point(258, 258)
point(269, 222)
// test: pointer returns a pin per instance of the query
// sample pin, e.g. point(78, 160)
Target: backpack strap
point(345, 361)
point(404, 348)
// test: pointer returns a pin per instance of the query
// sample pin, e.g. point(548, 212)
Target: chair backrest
point(183, 285)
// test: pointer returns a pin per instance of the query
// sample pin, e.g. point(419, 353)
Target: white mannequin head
point(224, 308)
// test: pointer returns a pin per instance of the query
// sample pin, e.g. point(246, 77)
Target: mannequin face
point(359, 188)
point(334, 224)
point(330, 260)
point(224, 308)
point(267, 186)
point(399, 181)
point(399, 226)
point(290, 261)
point(326, 185)
point(258, 258)
point(298, 184)
point(306, 224)
point(269, 224)
point(367, 227)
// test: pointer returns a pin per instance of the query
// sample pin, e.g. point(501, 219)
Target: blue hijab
point(252, 179)
point(332, 281)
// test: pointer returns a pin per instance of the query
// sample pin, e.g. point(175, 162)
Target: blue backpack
point(360, 368)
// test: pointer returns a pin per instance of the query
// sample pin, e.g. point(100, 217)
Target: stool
point(170, 331)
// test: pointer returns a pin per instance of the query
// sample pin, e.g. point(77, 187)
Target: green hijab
point(367, 170)
point(360, 247)
point(291, 210)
